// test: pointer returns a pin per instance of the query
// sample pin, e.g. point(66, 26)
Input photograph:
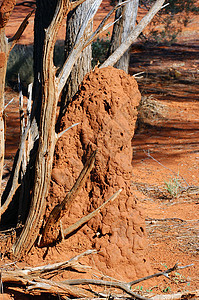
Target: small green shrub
point(173, 186)
point(166, 289)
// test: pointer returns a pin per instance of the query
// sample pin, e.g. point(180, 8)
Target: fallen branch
point(184, 295)
point(54, 269)
point(164, 273)
point(60, 209)
point(39, 285)
point(29, 278)
point(120, 285)
point(87, 218)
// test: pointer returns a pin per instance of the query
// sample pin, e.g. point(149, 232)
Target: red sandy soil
point(165, 146)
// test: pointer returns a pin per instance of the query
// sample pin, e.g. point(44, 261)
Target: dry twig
point(60, 209)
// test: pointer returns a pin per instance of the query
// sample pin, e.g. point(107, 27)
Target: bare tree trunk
point(121, 30)
point(133, 35)
point(43, 16)
point(51, 89)
point(47, 138)
point(3, 65)
point(5, 11)
point(83, 64)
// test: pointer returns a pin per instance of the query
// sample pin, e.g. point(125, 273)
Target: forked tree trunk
point(121, 30)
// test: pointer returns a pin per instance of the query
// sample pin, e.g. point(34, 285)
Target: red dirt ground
point(165, 146)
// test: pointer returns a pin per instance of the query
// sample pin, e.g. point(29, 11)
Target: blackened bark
point(43, 16)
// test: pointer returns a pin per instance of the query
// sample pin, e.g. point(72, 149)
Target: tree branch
point(15, 184)
point(87, 218)
point(117, 54)
point(65, 130)
point(120, 285)
point(74, 4)
point(102, 25)
point(78, 47)
point(12, 41)
point(54, 269)
point(49, 234)
point(164, 273)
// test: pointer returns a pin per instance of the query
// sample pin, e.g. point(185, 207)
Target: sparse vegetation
point(170, 21)
point(173, 186)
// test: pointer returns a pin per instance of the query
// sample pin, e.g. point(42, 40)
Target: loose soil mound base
point(105, 108)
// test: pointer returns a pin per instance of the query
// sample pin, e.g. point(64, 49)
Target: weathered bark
point(127, 18)
point(83, 64)
point(6, 9)
point(5, 48)
point(51, 89)
point(3, 65)
point(46, 138)
point(44, 13)
point(118, 53)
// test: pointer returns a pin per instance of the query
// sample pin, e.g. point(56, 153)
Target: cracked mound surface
point(106, 109)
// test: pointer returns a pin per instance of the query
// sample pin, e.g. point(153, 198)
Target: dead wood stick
point(60, 209)
point(74, 4)
point(102, 27)
point(166, 219)
point(183, 295)
point(39, 285)
point(118, 53)
point(53, 268)
point(164, 273)
point(12, 41)
point(120, 285)
point(15, 184)
point(65, 130)
point(87, 218)
point(52, 287)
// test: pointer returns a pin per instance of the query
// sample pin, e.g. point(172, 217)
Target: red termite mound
point(105, 108)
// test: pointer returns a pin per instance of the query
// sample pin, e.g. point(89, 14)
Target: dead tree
point(126, 17)
point(52, 86)
point(6, 46)
point(83, 64)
